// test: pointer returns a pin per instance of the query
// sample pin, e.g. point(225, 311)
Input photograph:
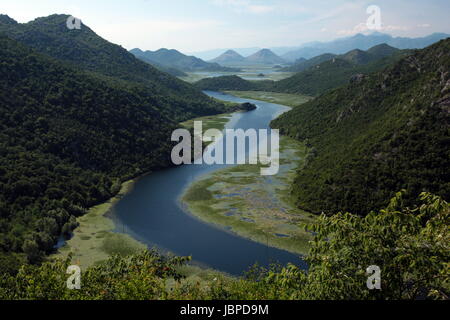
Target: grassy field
point(95, 240)
point(248, 73)
point(254, 206)
point(286, 99)
point(209, 122)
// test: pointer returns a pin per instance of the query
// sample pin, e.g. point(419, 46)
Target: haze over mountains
point(354, 56)
point(262, 57)
point(362, 42)
point(170, 58)
point(229, 57)
point(338, 46)
point(317, 75)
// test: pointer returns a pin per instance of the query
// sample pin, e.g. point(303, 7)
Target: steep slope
point(175, 59)
point(138, 53)
point(338, 71)
point(382, 50)
point(229, 57)
point(85, 50)
point(303, 64)
point(67, 141)
point(264, 56)
point(355, 56)
point(386, 132)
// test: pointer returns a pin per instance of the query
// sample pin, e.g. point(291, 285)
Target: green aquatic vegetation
point(246, 203)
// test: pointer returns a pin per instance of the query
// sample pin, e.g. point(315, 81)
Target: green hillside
point(383, 133)
point(68, 140)
point(85, 50)
point(303, 64)
point(230, 83)
point(338, 71)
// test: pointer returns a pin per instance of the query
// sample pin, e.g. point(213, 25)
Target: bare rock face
point(357, 78)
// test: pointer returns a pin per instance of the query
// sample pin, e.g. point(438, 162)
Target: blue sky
point(196, 25)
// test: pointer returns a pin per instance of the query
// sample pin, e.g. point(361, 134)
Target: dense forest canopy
point(83, 49)
point(381, 133)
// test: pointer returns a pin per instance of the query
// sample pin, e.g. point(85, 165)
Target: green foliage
point(139, 277)
point(411, 247)
point(386, 132)
point(67, 141)
point(85, 50)
point(336, 71)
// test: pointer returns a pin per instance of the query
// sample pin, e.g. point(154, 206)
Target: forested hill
point(85, 50)
point(379, 134)
point(339, 70)
point(67, 141)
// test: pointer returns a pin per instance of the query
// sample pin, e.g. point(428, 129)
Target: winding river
point(153, 214)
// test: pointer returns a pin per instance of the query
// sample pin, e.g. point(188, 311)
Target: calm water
point(153, 214)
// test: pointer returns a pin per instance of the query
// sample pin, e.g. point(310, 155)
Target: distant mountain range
point(339, 70)
point(339, 46)
point(263, 56)
point(229, 57)
point(362, 42)
point(176, 60)
point(355, 56)
point(317, 75)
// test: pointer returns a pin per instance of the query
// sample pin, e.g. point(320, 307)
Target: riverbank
point(287, 99)
point(254, 206)
point(95, 239)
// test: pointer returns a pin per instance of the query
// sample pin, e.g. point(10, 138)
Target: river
point(153, 214)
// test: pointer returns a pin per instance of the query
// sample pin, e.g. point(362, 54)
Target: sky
point(198, 25)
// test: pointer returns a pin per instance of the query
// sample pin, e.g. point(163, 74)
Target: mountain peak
point(265, 56)
point(5, 19)
point(229, 57)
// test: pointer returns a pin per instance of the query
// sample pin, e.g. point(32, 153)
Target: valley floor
point(250, 205)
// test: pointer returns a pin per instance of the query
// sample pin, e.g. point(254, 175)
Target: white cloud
point(245, 6)
point(425, 25)
point(362, 28)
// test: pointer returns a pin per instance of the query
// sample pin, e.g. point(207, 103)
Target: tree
point(31, 249)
